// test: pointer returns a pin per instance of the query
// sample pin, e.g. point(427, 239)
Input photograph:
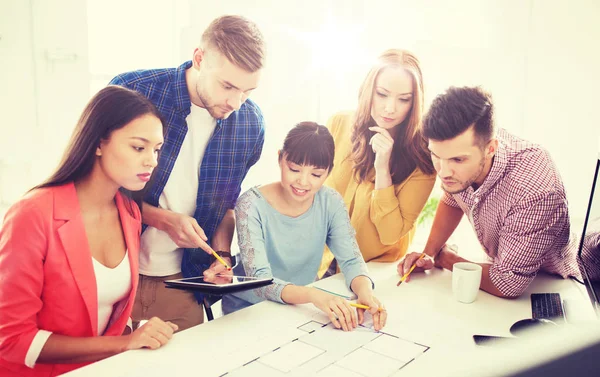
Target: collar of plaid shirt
point(496, 173)
point(498, 168)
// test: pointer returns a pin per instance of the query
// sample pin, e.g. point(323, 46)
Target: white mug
point(466, 278)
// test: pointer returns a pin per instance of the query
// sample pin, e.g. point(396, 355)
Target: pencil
point(333, 293)
point(410, 270)
point(361, 306)
point(214, 253)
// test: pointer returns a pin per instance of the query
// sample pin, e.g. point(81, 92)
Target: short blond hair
point(238, 39)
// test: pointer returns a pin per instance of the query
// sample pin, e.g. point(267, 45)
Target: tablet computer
point(219, 284)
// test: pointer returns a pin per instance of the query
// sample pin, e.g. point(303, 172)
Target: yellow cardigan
point(384, 219)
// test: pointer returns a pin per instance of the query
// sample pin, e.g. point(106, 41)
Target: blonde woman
point(382, 168)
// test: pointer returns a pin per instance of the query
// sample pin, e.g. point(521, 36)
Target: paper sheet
point(369, 363)
point(291, 356)
point(395, 348)
point(329, 338)
point(256, 368)
point(323, 350)
point(337, 371)
point(311, 326)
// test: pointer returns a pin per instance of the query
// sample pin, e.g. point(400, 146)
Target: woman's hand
point(382, 144)
point(153, 334)
point(377, 310)
point(339, 311)
point(217, 273)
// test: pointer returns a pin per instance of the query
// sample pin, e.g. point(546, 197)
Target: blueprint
point(319, 349)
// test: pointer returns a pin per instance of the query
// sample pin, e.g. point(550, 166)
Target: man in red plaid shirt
point(508, 187)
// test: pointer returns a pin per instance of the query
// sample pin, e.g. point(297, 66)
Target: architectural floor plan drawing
point(324, 351)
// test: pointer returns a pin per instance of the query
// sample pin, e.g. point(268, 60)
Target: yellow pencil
point(214, 253)
point(410, 270)
point(361, 306)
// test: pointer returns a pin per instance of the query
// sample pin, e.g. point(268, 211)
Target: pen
point(361, 306)
point(410, 270)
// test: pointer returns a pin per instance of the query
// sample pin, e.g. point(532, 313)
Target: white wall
point(537, 57)
point(44, 87)
point(18, 88)
point(561, 96)
point(128, 35)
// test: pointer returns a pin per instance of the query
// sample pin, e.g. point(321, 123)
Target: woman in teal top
point(283, 227)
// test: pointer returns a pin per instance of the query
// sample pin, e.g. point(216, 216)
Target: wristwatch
point(226, 254)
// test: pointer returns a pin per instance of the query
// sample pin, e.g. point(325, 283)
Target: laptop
point(589, 244)
point(550, 305)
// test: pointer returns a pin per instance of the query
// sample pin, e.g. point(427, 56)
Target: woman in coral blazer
point(69, 248)
point(382, 165)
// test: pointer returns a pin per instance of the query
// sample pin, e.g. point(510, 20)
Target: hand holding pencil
point(217, 257)
point(339, 309)
point(218, 270)
point(361, 306)
point(369, 303)
point(412, 262)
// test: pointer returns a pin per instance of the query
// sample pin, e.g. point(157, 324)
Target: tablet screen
point(219, 284)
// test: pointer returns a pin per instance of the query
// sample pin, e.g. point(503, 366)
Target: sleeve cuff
point(510, 283)
point(385, 196)
point(36, 347)
point(349, 282)
point(278, 290)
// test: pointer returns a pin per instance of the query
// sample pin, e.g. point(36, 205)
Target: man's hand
point(446, 257)
point(185, 231)
point(426, 263)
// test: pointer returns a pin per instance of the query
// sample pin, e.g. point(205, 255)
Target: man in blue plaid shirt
point(213, 135)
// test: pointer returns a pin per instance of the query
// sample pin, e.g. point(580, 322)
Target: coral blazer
point(47, 278)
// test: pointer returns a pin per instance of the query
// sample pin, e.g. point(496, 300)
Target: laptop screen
point(589, 246)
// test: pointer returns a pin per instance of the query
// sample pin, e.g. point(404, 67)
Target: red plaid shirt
point(520, 215)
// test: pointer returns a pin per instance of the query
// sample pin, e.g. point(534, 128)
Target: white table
point(423, 311)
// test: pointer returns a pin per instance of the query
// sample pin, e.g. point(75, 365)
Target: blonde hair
point(410, 150)
point(238, 39)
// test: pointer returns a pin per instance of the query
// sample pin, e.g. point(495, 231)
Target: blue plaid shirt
point(235, 146)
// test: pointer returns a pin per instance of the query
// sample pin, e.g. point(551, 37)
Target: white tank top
point(114, 284)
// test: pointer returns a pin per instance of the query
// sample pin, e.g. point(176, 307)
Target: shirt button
point(476, 200)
